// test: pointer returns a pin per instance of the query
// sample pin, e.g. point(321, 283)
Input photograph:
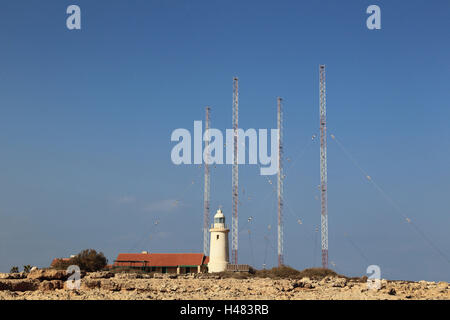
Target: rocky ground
point(52, 285)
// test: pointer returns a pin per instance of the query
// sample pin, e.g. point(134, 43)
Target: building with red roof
point(163, 262)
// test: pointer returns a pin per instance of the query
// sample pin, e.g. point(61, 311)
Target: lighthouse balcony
point(219, 226)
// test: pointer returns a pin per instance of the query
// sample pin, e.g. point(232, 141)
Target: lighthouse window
point(219, 220)
point(217, 237)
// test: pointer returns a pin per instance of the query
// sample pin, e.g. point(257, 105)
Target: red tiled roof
point(160, 259)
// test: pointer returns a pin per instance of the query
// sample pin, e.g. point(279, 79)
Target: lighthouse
point(218, 252)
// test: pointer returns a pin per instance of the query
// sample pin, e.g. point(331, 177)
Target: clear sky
point(86, 117)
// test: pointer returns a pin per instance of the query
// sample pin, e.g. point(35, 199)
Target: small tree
point(61, 264)
point(89, 260)
point(14, 269)
point(27, 268)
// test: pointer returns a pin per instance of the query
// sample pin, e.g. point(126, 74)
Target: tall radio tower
point(323, 166)
point(235, 176)
point(206, 191)
point(280, 182)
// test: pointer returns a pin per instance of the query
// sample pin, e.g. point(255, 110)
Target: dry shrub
point(286, 272)
point(318, 273)
point(283, 272)
point(88, 260)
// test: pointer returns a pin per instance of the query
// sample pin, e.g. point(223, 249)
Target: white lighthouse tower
point(218, 252)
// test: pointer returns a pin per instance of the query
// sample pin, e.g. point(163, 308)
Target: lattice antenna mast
point(206, 196)
point(280, 182)
point(235, 176)
point(323, 167)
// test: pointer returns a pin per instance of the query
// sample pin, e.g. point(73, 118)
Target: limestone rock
point(90, 284)
point(51, 285)
point(19, 285)
point(100, 275)
point(128, 276)
point(110, 285)
point(339, 282)
point(96, 286)
point(392, 292)
point(48, 274)
point(18, 275)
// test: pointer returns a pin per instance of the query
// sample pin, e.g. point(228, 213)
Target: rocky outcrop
point(19, 285)
point(19, 275)
point(51, 284)
point(100, 275)
point(48, 274)
point(48, 285)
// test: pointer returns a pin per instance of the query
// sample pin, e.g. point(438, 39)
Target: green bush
point(285, 272)
point(318, 273)
point(88, 260)
point(27, 268)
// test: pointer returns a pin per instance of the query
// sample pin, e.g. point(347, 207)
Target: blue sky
point(86, 118)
